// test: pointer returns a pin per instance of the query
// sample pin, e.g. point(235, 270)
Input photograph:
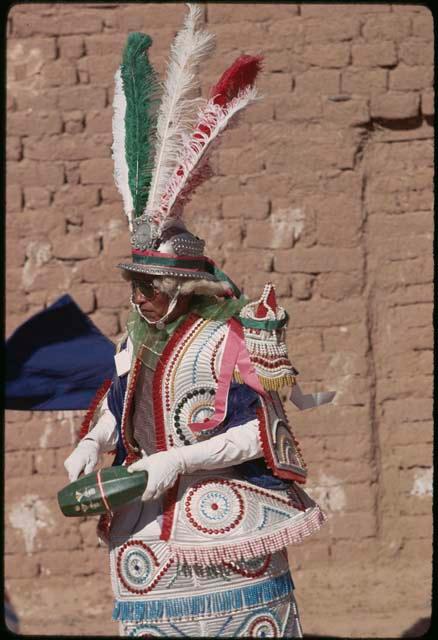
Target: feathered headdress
point(162, 146)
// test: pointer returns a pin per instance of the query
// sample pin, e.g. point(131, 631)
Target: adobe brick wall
point(325, 189)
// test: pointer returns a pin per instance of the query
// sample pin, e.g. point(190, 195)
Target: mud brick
point(357, 526)
point(327, 55)
point(302, 286)
point(391, 27)
point(427, 103)
point(376, 54)
point(317, 260)
point(320, 10)
point(246, 206)
point(416, 51)
point(14, 197)
point(298, 107)
point(82, 98)
point(112, 296)
point(418, 362)
point(310, 555)
point(97, 171)
point(303, 341)
point(331, 420)
point(58, 73)
point(411, 527)
point(87, 531)
point(253, 285)
point(337, 286)
point(70, 247)
point(76, 196)
point(248, 260)
point(422, 25)
point(18, 464)
point(71, 47)
point(353, 551)
point(36, 197)
point(43, 461)
point(22, 49)
point(414, 455)
point(331, 29)
point(421, 550)
point(21, 566)
point(364, 81)
point(229, 13)
point(106, 322)
point(320, 81)
point(231, 162)
point(34, 123)
point(98, 270)
point(100, 69)
point(411, 78)
point(350, 113)
point(14, 148)
point(99, 121)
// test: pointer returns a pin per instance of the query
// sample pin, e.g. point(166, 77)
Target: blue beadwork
point(218, 602)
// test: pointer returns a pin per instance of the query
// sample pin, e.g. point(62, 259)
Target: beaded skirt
point(155, 595)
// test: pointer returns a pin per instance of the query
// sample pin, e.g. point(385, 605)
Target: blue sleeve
point(243, 403)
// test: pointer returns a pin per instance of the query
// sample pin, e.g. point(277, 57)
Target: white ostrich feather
point(195, 150)
point(176, 115)
point(118, 147)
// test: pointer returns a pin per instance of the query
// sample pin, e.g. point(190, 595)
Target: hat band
point(157, 259)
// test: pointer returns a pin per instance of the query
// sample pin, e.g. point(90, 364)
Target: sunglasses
point(146, 289)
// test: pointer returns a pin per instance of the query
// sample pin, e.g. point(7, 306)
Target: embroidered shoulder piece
point(264, 323)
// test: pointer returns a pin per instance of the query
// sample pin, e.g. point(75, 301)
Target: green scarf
point(149, 342)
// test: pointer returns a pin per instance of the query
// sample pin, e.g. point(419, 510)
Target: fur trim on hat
point(169, 285)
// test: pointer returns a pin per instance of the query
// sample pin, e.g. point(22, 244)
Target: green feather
point(141, 88)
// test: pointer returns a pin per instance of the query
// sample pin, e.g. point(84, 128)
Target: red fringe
point(128, 402)
point(169, 511)
point(241, 74)
point(269, 459)
point(92, 408)
point(306, 524)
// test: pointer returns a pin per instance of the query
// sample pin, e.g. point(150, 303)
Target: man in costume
point(194, 401)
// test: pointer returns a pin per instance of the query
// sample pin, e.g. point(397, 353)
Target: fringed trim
point(169, 511)
point(304, 525)
point(270, 384)
point(103, 527)
point(129, 396)
point(217, 602)
point(94, 406)
point(267, 452)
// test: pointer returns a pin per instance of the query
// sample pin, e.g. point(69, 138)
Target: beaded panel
point(190, 378)
point(280, 447)
point(222, 519)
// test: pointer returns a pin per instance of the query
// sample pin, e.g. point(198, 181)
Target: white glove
point(84, 458)
point(103, 437)
point(236, 445)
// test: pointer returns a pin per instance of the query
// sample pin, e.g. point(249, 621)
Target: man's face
point(152, 303)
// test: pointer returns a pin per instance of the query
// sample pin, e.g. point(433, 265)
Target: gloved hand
point(103, 437)
point(232, 447)
point(84, 458)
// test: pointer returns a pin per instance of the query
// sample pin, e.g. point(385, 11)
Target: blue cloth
point(57, 359)
point(242, 406)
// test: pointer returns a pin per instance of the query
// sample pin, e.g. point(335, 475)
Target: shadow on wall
point(417, 630)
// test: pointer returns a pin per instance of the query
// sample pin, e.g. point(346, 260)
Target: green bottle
point(102, 491)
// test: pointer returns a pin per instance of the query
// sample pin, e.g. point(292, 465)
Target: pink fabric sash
point(235, 353)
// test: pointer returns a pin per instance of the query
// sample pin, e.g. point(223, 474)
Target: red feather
point(239, 76)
